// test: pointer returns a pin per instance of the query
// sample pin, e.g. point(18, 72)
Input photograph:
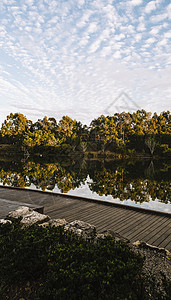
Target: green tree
point(14, 127)
point(103, 130)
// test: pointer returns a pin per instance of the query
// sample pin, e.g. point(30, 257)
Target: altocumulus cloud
point(76, 57)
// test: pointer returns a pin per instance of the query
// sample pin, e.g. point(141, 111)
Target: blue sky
point(75, 57)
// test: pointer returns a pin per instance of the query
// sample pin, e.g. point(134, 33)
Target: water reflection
point(138, 181)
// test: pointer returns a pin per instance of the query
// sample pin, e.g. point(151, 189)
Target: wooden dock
point(132, 223)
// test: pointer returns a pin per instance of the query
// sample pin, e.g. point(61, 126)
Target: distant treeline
point(138, 133)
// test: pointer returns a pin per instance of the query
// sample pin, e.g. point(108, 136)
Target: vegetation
point(124, 134)
point(50, 263)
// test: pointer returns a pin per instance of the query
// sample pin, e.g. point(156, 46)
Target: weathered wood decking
point(134, 224)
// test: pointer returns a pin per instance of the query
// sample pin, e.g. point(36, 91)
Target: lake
point(141, 183)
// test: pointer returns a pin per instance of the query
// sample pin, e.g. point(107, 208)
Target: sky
point(84, 58)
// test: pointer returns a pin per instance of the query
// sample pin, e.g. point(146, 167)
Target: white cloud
point(106, 51)
point(150, 41)
point(117, 54)
point(130, 29)
point(167, 34)
point(169, 11)
point(141, 27)
point(158, 18)
point(92, 28)
point(94, 46)
point(66, 55)
point(84, 41)
point(150, 7)
point(154, 30)
point(119, 37)
point(163, 42)
point(85, 18)
point(138, 37)
point(80, 3)
point(135, 2)
point(29, 2)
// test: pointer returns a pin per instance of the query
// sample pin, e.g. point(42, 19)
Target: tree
point(40, 138)
point(151, 144)
point(67, 129)
point(123, 123)
point(83, 146)
point(104, 131)
point(14, 127)
point(15, 124)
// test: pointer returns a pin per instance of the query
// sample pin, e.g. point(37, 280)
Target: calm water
point(145, 184)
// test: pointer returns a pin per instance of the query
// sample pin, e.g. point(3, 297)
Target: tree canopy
point(140, 131)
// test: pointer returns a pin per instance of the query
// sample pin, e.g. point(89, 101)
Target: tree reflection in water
point(140, 181)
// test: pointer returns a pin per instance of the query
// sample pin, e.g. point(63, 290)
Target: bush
point(64, 266)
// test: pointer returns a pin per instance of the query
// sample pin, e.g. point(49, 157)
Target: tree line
point(124, 133)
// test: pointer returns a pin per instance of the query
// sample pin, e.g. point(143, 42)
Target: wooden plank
point(134, 225)
point(77, 215)
point(168, 246)
point(160, 230)
point(164, 239)
point(94, 208)
point(122, 220)
point(164, 225)
point(68, 209)
point(107, 222)
point(96, 213)
point(132, 218)
point(141, 227)
point(100, 217)
point(89, 214)
point(69, 205)
point(157, 224)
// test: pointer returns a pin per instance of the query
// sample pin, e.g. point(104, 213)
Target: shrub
point(65, 266)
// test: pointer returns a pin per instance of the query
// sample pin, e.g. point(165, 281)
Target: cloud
point(141, 27)
point(80, 3)
point(138, 37)
point(135, 2)
point(150, 7)
point(84, 19)
point(29, 2)
point(70, 56)
point(117, 54)
point(94, 46)
point(168, 34)
point(163, 42)
point(119, 37)
point(159, 18)
point(92, 28)
point(150, 40)
point(106, 51)
point(154, 30)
